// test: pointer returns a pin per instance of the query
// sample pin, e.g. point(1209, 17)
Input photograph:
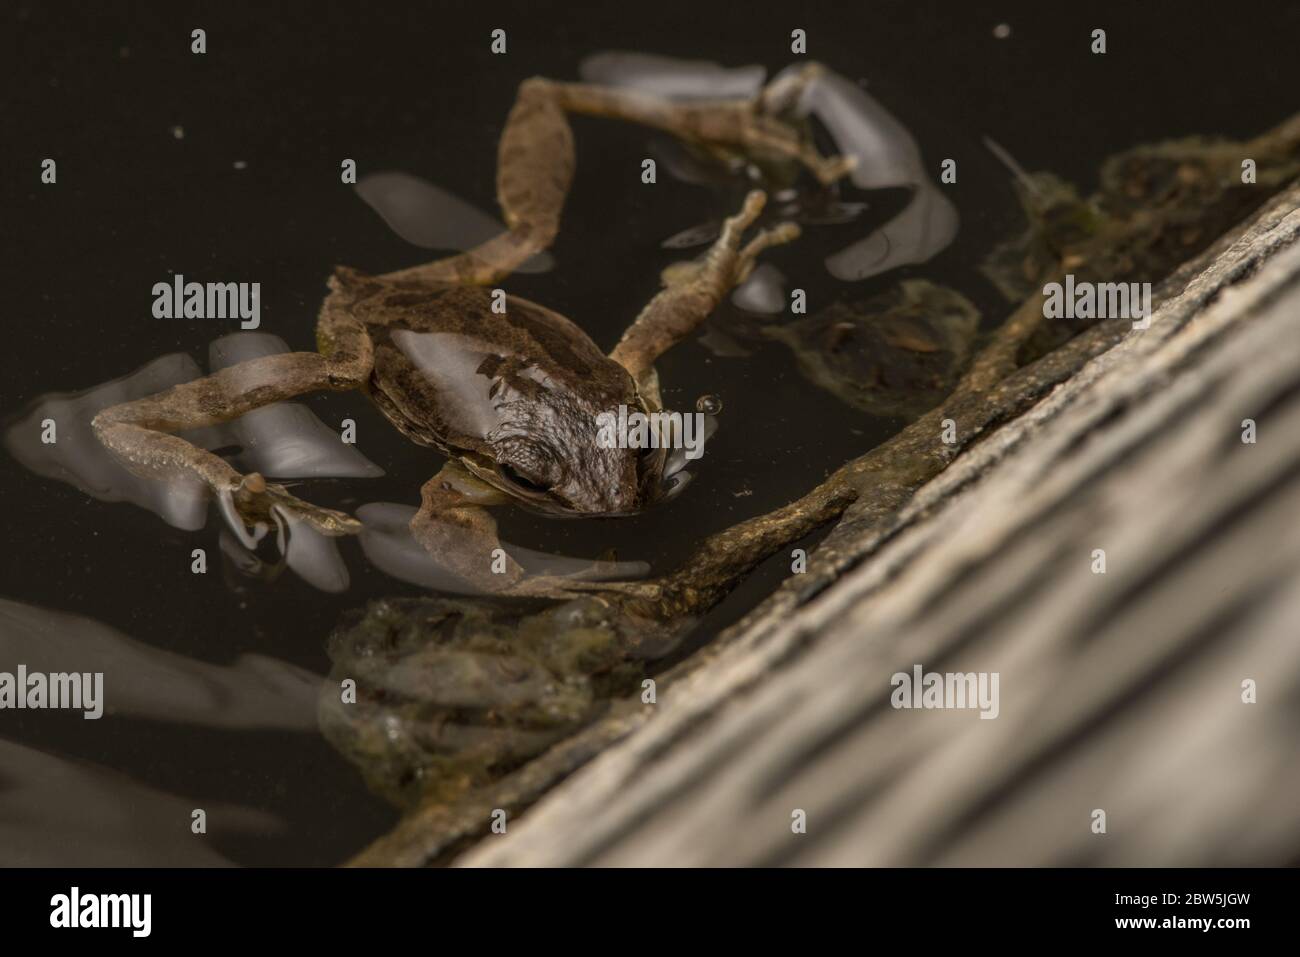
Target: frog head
point(574, 465)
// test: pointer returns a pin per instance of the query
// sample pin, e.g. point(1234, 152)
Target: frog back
point(453, 373)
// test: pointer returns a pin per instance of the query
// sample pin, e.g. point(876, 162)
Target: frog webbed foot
point(691, 293)
point(254, 502)
point(781, 125)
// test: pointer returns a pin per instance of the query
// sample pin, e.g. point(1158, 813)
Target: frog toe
point(254, 507)
point(327, 521)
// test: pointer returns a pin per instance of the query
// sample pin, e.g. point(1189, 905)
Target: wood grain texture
point(1119, 691)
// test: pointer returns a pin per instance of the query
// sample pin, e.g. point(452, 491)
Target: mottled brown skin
point(512, 398)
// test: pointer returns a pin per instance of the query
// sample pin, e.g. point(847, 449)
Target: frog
point(510, 396)
point(895, 355)
point(454, 692)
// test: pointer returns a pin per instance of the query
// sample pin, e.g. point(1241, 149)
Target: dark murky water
point(226, 167)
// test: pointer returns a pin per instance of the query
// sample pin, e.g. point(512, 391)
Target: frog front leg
point(454, 525)
point(692, 291)
point(139, 433)
point(456, 528)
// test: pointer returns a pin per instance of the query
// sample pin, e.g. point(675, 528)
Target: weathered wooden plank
point(1119, 691)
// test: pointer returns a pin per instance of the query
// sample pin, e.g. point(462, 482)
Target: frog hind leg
point(765, 125)
point(536, 159)
point(693, 290)
point(140, 433)
point(535, 164)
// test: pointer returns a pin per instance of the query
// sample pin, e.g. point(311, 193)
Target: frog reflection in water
point(512, 399)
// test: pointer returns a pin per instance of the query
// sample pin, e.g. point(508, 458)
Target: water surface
point(226, 167)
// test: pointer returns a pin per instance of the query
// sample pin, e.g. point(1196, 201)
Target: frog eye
point(525, 483)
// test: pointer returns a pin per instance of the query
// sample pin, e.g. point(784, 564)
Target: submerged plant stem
point(869, 491)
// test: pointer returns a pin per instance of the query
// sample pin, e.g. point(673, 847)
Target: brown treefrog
point(511, 398)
